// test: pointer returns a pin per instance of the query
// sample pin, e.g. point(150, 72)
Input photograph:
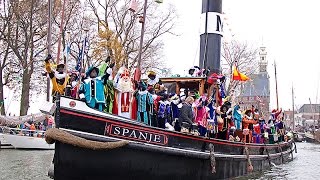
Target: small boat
point(150, 152)
point(312, 138)
point(3, 143)
point(298, 137)
point(27, 139)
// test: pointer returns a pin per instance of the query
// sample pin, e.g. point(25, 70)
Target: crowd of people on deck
point(212, 114)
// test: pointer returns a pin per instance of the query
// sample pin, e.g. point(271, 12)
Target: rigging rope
point(212, 159)
point(249, 164)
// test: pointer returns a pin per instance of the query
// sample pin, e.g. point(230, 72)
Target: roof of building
point(310, 108)
point(258, 86)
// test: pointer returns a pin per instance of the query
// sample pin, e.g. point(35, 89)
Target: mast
point(313, 113)
point(275, 75)
point(293, 123)
point(49, 43)
point(138, 73)
point(315, 108)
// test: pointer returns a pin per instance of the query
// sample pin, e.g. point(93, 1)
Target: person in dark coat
point(186, 113)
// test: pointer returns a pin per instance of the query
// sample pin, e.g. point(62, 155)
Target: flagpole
point(61, 31)
point(49, 43)
point(275, 73)
point(67, 48)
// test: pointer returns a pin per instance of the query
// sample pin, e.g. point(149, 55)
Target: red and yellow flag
point(237, 76)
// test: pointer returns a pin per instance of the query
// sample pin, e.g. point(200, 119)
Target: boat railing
point(26, 132)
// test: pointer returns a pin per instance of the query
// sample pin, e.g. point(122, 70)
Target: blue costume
point(237, 116)
point(93, 90)
point(212, 120)
point(144, 103)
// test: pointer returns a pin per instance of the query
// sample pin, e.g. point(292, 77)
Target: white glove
point(81, 96)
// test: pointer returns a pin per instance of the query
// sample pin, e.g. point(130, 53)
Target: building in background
point(257, 91)
point(310, 115)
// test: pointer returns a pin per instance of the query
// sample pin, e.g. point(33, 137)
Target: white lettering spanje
point(144, 136)
point(157, 138)
point(134, 134)
point(117, 130)
point(125, 131)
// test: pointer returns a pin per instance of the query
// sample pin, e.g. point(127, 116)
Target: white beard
point(59, 76)
point(124, 86)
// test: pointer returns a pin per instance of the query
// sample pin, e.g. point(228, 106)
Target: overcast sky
point(288, 28)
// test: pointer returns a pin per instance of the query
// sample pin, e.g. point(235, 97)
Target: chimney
point(210, 35)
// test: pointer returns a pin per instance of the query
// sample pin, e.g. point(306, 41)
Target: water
point(34, 165)
point(306, 165)
point(24, 164)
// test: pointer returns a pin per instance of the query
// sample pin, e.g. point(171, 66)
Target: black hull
point(137, 161)
point(172, 155)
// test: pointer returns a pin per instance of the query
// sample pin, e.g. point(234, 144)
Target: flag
point(237, 76)
point(67, 51)
point(84, 48)
point(79, 60)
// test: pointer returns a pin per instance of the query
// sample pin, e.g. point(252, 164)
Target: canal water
point(34, 165)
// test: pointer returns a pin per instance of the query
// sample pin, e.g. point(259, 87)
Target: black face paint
point(152, 77)
point(93, 74)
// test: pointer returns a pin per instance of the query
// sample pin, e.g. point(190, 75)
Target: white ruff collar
point(143, 92)
point(59, 76)
point(153, 82)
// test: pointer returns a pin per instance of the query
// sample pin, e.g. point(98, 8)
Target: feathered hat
point(60, 66)
point(151, 73)
point(142, 85)
point(92, 68)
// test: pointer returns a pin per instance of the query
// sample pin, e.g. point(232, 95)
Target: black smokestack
point(211, 33)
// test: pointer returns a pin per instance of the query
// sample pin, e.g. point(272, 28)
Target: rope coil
point(55, 134)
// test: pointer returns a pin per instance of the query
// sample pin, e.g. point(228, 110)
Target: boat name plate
point(135, 134)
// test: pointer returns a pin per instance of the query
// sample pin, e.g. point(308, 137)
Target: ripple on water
point(25, 165)
point(305, 166)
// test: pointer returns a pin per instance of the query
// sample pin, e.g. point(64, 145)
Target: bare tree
point(26, 34)
point(239, 55)
point(126, 27)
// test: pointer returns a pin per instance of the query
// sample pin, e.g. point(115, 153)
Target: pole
point(61, 31)
point(313, 113)
point(49, 43)
point(293, 123)
point(142, 33)
point(275, 73)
